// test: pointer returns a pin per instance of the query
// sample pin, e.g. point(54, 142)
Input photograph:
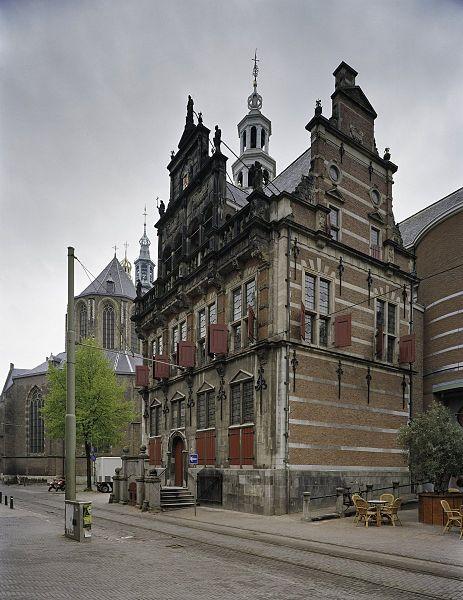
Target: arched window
point(265, 176)
point(108, 326)
point(244, 140)
point(262, 138)
point(240, 178)
point(83, 321)
point(253, 136)
point(36, 430)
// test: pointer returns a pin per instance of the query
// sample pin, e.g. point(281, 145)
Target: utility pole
point(70, 423)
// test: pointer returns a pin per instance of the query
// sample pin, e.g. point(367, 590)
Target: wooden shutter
point(218, 339)
point(302, 322)
point(407, 352)
point(234, 446)
point(142, 376)
point(247, 445)
point(151, 452)
point(251, 320)
point(186, 354)
point(201, 447)
point(154, 451)
point(161, 366)
point(343, 331)
point(379, 342)
point(210, 447)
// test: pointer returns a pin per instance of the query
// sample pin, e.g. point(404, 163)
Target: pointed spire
point(144, 266)
point(125, 262)
point(255, 99)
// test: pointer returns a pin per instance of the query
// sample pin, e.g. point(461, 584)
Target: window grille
point(36, 428)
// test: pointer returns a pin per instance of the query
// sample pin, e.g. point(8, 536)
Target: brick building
point(103, 311)
point(274, 323)
point(434, 234)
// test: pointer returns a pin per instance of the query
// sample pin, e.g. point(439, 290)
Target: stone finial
point(387, 154)
point(125, 450)
point(142, 449)
point(318, 107)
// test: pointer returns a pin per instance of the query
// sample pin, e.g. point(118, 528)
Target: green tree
point(434, 443)
point(102, 411)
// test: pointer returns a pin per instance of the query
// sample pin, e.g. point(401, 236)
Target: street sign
point(193, 458)
point(92, 457)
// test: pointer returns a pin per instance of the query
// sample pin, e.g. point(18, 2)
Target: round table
point(378, 504)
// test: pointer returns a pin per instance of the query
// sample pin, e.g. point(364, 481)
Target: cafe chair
point(390, 511)
point(389, 498)
point(454, 517)
point(363, 511)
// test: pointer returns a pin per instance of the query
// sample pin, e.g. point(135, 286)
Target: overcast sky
point(93, 99)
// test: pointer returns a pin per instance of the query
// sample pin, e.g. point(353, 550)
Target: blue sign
point(92, 457)
point(194, 459)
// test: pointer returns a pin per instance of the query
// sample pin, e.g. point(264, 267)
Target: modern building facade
point(278, 332)
point(434, 234)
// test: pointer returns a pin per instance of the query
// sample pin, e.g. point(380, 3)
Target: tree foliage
point(434, 442)
point(102, 411)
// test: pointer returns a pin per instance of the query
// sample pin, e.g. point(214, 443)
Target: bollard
point(340, 501)
point(395, 488)
point(145, 506)
point(306, 506)
point(11, 502)
point(6, 500)
point(1, 498)
point(369, 490)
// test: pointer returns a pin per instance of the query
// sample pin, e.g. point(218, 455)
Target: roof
point(416, 225)
point(123, 285)
point(123, 364)
point(236, 195)
point(288, 180)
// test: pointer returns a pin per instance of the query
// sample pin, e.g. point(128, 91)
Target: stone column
point(123, 485)
point(140, 479)
point(117, 485)
point(153, 490)
point(340, 501)
point(306, 516)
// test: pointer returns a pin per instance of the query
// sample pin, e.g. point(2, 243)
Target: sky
point(93, 98)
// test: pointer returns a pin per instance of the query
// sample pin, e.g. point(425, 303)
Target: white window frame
point(314, 313)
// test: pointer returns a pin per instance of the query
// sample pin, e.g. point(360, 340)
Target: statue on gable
point(162, 208)
point(189, 111)
point(217, 138)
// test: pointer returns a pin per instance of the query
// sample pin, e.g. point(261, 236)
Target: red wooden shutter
point(379, 342)
point(343, 331)
point(302, 324)
point(210, 447)
point(161, 366)
point(234, 446)
point(154, 451)
point(407, 352)
point(218, 339)
point(251, 320)
point(186, 354)
point(201, 447)
point(142, 374)
point(247, 445)
point(151, 452)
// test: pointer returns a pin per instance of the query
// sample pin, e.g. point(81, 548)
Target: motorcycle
point(59, 485)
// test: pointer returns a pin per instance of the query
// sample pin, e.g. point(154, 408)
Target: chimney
point(344, 76)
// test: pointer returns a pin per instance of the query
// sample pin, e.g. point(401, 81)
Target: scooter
point(59, 485)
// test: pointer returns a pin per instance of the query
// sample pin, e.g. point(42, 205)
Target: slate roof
point(412, 227)
point(288, 179)
point(236, 195)
point(123, 364)
point(123, 285)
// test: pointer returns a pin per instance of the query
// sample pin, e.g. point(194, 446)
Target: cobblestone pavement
point(140, 556)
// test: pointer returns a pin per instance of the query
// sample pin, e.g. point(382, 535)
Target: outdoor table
point(378, 504)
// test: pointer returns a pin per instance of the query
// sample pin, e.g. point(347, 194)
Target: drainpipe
point(287, 347)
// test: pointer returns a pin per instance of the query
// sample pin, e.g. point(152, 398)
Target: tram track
point(189, 532)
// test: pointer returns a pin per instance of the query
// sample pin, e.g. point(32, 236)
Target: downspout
point(287, 348)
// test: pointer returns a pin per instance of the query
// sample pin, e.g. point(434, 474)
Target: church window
point(262, 138)
point(244, 141)
point(110, 285)
point(108, 327)
point(253, 136)
point(83, 322)
point(36, 429)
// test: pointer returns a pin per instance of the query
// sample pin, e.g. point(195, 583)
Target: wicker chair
point(364, 512)
point(454, 517)
point(390, 511)
point(389, 498)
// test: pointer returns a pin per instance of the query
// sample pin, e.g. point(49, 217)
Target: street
point(134, 555)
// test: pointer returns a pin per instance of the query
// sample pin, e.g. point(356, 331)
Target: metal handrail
point(364, 491)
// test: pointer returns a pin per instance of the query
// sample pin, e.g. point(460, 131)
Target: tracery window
point(108, 326)
point(83, 322)
point(36, 429)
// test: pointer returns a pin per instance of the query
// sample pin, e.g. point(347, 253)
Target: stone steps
point(174, 497)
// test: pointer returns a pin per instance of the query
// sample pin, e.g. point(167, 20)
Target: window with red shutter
point(247, 445)
point(407, 349)
point(161, 366)
point(186, 354)
point(343, 331)
point(234, 446)
point(141, 376)
point(155, 451)
point(218, 338)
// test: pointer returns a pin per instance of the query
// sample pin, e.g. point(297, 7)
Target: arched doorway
point(178, 447)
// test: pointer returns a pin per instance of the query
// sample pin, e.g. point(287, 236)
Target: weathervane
point(125, 246)
point(255, 70)
point(144, 214)
point(115, 250)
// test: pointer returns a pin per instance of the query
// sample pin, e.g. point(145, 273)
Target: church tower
point(144, 266)
point(254, 131)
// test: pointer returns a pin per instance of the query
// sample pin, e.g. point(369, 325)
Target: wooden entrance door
point(178, 459)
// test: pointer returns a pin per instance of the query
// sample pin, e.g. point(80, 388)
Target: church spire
point(144, 266)
point(254, 131)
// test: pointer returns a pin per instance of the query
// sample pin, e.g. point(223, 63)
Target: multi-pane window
point(386, 329)
point(108, 327)
point(212, 313)
point(250, 291)
point(243, 298)
point(205, 410)
point(242, 403)
point(158, 346)
point(202, 324)
point(83, 322)
point(177, 412)
point(375, 249)
point(182, 331)
point(317, 307)
point(155, 419)
point(334, 222)
point(236, 305)
point(36, 429)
